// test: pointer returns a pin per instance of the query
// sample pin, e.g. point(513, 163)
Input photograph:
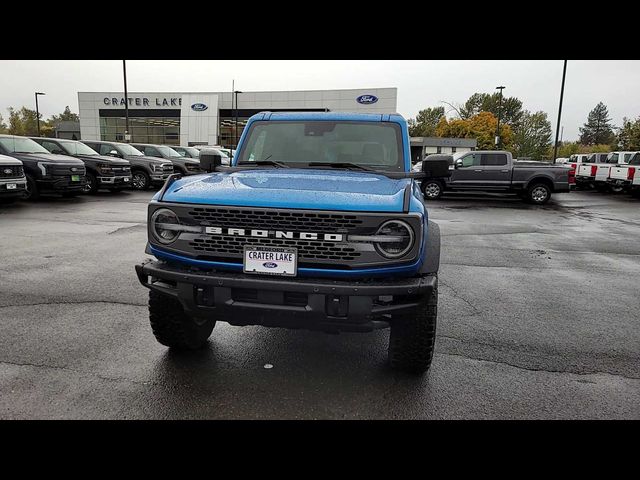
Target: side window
point(471, 160)
point(613, 158)
point(152, 152)
point(105, 148)
point(52, 147)
point(627, 157)
point(493, 159)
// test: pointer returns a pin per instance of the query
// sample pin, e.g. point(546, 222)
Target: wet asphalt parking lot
point(539, 318)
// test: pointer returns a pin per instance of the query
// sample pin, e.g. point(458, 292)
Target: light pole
point(235, 132)
point(555, 145)
point(38, 111)
point(498, 138)
point(127, 137)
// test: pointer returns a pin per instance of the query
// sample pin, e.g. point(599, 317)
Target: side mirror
point(458, 163)
point(210, 160)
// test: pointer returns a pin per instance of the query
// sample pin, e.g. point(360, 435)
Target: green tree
point(482, 127)
point(3, 126)
point(598, 129)
point(628, 137)
point(24, 122)
point(425, 122)
point(532, 135)
point(67, 115)
point(511, 107)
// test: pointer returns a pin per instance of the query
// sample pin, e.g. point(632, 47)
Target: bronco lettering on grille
point(243, 232)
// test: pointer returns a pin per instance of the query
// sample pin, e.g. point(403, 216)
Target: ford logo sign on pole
point(200, 107)
point(367, 99)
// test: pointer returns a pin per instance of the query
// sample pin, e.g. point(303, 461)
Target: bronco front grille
point(12, 171)
point(307, 250)
point(276, 220)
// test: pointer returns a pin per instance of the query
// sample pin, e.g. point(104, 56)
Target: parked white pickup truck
point(586, 171)
point(604, 170)
point(626, 177)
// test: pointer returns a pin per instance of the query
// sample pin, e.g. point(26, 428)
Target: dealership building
point(208, 118)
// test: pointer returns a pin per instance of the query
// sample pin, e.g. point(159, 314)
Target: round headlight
point(400, 239)
point(164, 224)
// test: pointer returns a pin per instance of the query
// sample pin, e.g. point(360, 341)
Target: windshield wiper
point(265, 162)
point(341, 165)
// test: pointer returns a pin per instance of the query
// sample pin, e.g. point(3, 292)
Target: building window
point(439, 150)
point(158, 130)
point(453, 149)
point(227, 133)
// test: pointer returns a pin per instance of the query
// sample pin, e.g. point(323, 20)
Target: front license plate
point(75, 178)
point(12, 186)
point(271, 260)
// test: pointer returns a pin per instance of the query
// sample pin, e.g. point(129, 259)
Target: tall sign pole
point(555, 145)
point(127, 137)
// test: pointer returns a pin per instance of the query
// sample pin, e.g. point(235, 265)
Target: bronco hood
point(293, 188)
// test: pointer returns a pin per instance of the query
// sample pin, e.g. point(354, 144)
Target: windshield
point(125, 149)
point(194, 152)
point(77, 148)
point(21, 145)
point(168, 151)
point(374, 145)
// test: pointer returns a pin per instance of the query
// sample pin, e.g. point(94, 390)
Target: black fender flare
point(432, 249)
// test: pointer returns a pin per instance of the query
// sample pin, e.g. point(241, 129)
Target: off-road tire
point(431, 189)
point(175, 329)
point(92, 184)
point(140, 180)
point(535, 196)
point(412, 337)
point(32, 189)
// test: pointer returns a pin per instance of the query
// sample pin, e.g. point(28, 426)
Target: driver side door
point(469, 174)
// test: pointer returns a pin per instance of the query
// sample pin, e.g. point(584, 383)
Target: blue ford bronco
point(319, 224)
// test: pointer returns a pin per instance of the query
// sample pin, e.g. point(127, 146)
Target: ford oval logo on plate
point(200, 107)
point(269, 265)
point(367, 99)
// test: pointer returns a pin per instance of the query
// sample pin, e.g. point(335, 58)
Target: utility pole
point(498, 137)
point(38, 111)
point(555, 145)
point(127, 137)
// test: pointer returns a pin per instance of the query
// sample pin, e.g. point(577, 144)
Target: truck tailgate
point(602, 173)
point(619, 172)
point(584, 170)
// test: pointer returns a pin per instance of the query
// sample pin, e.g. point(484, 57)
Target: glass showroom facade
point(148, 126)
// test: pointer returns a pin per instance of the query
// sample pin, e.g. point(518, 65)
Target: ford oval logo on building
point(269, 265)
point(200, 107)
point(367, 99)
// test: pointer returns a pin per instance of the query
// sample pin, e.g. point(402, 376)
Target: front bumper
point(19, 190)
point(314, 304)
point(159, 178)
point(61, 184)
point(121, 181)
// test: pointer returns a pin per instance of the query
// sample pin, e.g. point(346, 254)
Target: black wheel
point(92, 183)
point(539, 193)
point(173, 328)
point(616, 188)
point(431, 189)
point(413, 336)
point(32, 189)
point(140, 180)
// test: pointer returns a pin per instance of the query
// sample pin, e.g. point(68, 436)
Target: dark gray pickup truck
point(496, 171)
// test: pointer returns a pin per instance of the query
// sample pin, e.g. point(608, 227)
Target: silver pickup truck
point(497, 171)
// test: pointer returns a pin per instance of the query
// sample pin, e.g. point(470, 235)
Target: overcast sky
point(420, 83)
